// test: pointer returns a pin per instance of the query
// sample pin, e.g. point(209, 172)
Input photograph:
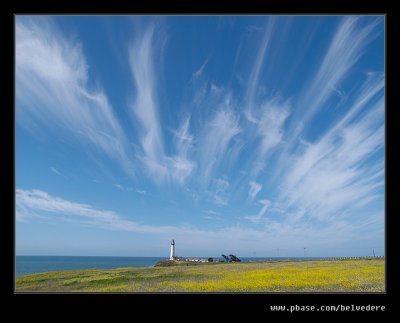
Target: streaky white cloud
point(370, 89)
point(332, 177)
point(52, 91)
point(123, 188)
point(180, 166)
point(142, 192)
point(32, 205)
point(119, 186)
point(339, 172)
point(183, 138)
point(373, 85)
point(255, 188)
point(254, 28)
point(158, 164)
point(253, 83)
point(32, 202)
point(198, 73)
point(345, 49)
point(270, 129)
point(41, 201)
point(220, 196)
point(141, 59)
point(219, 132)
point(57, 172)
point(211, 215)
point(259, 216)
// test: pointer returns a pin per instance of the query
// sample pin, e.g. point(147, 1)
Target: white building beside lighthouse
point(172, 253)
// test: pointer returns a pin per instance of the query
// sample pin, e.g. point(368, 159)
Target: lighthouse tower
point(172, 254)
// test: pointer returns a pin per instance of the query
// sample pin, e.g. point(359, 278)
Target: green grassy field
point(307, 276)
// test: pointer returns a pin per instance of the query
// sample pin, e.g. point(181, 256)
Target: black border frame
point(76, 306)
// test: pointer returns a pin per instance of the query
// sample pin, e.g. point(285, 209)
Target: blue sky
point(251, 135)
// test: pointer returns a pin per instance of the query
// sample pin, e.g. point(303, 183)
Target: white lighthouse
point(172, 254)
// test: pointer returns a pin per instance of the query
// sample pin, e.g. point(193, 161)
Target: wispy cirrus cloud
point(180, 165)
point(218, 134)
point(32, 202)
point(57, 172)
point(345, 49)
point(145, 106)
point(212, 212)
point(314, 147)
point(219, 193)
point(141, 192)
point(37, 204)
point(253, 82)
point(119, 186)
point(332, 175)
point(159, 165)
point(123, 188)
point(270, 130)
point(328, 177)
point(255, 188)
point(52, 91)
point(258, 217)
point(199, 72)
point(38, 200)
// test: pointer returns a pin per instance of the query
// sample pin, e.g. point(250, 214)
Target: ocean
point(26, 265)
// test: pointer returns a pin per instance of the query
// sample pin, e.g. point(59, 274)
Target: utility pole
point(373, 251)
point(304, 252)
